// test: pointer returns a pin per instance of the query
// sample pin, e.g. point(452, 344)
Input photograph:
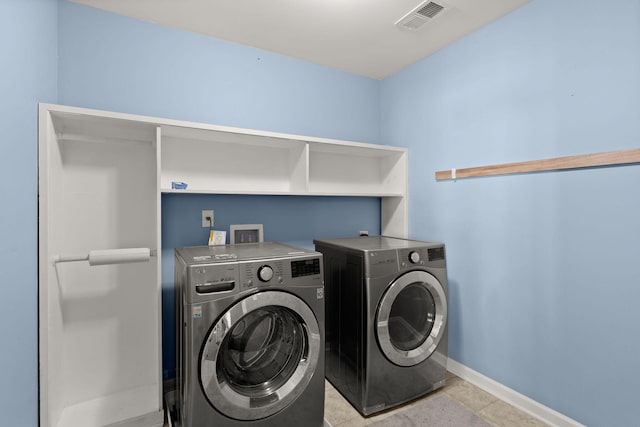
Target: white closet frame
point(101, 176)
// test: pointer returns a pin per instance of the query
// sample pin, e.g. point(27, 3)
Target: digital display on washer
point(435, 254)
point(305, 267)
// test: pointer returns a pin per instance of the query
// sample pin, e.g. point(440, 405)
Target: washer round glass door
point(260, 355)
point(411, 318)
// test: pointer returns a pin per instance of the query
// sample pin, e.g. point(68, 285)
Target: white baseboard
point(512, 397)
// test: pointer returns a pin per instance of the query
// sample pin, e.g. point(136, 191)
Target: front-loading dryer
point(250, 336)
point(386, 319)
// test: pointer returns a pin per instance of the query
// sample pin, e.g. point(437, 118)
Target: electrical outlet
point(206, 215)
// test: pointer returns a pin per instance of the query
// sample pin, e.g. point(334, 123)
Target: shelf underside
point(281, 193)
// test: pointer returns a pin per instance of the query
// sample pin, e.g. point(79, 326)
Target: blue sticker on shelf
point(176, 185)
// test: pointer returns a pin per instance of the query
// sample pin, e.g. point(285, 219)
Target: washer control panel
point(280, 272)
point(209, 273)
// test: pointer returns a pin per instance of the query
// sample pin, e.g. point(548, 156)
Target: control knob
point(414, 257)
point(265, 273)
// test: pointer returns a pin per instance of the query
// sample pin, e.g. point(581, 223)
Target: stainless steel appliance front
point(250, 336)
point(386, 320)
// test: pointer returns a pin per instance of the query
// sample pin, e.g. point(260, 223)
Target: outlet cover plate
point(205, 221)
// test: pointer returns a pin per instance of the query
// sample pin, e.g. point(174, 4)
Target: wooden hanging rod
point(621, 157)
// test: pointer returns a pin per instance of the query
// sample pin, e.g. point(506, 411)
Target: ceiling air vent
point(430, 10)
point(421, 15)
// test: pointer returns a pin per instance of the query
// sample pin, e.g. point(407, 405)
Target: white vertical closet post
point(395, 208)
point(299, 161)
point(158, 231)
point(50, 316)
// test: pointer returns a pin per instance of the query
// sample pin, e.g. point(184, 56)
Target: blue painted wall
point(542, 267)
point(28, 46)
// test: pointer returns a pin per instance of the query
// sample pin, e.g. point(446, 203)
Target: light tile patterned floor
point(494, 411)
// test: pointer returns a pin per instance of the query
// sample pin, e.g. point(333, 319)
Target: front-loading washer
point(249, 336)
point(386, 319)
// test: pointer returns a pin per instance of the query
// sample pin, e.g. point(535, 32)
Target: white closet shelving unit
point(100, 329)
point(101, 175)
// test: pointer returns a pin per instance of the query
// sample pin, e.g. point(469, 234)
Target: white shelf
point(246, 192)
point(349, 169)
point(231, 166)
point(135, 407)
point(223, 162)
point(284, 193)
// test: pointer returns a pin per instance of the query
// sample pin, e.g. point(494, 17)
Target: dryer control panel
point(422, 257)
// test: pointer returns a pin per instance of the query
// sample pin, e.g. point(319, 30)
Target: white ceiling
point(358, 36)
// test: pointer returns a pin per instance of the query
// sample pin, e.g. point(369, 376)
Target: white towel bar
point(110, 256)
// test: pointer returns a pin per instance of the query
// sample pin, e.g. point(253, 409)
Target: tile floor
point(494, 411)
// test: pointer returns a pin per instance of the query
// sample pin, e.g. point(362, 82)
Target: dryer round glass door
point(260, 355)
point(411, 318)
